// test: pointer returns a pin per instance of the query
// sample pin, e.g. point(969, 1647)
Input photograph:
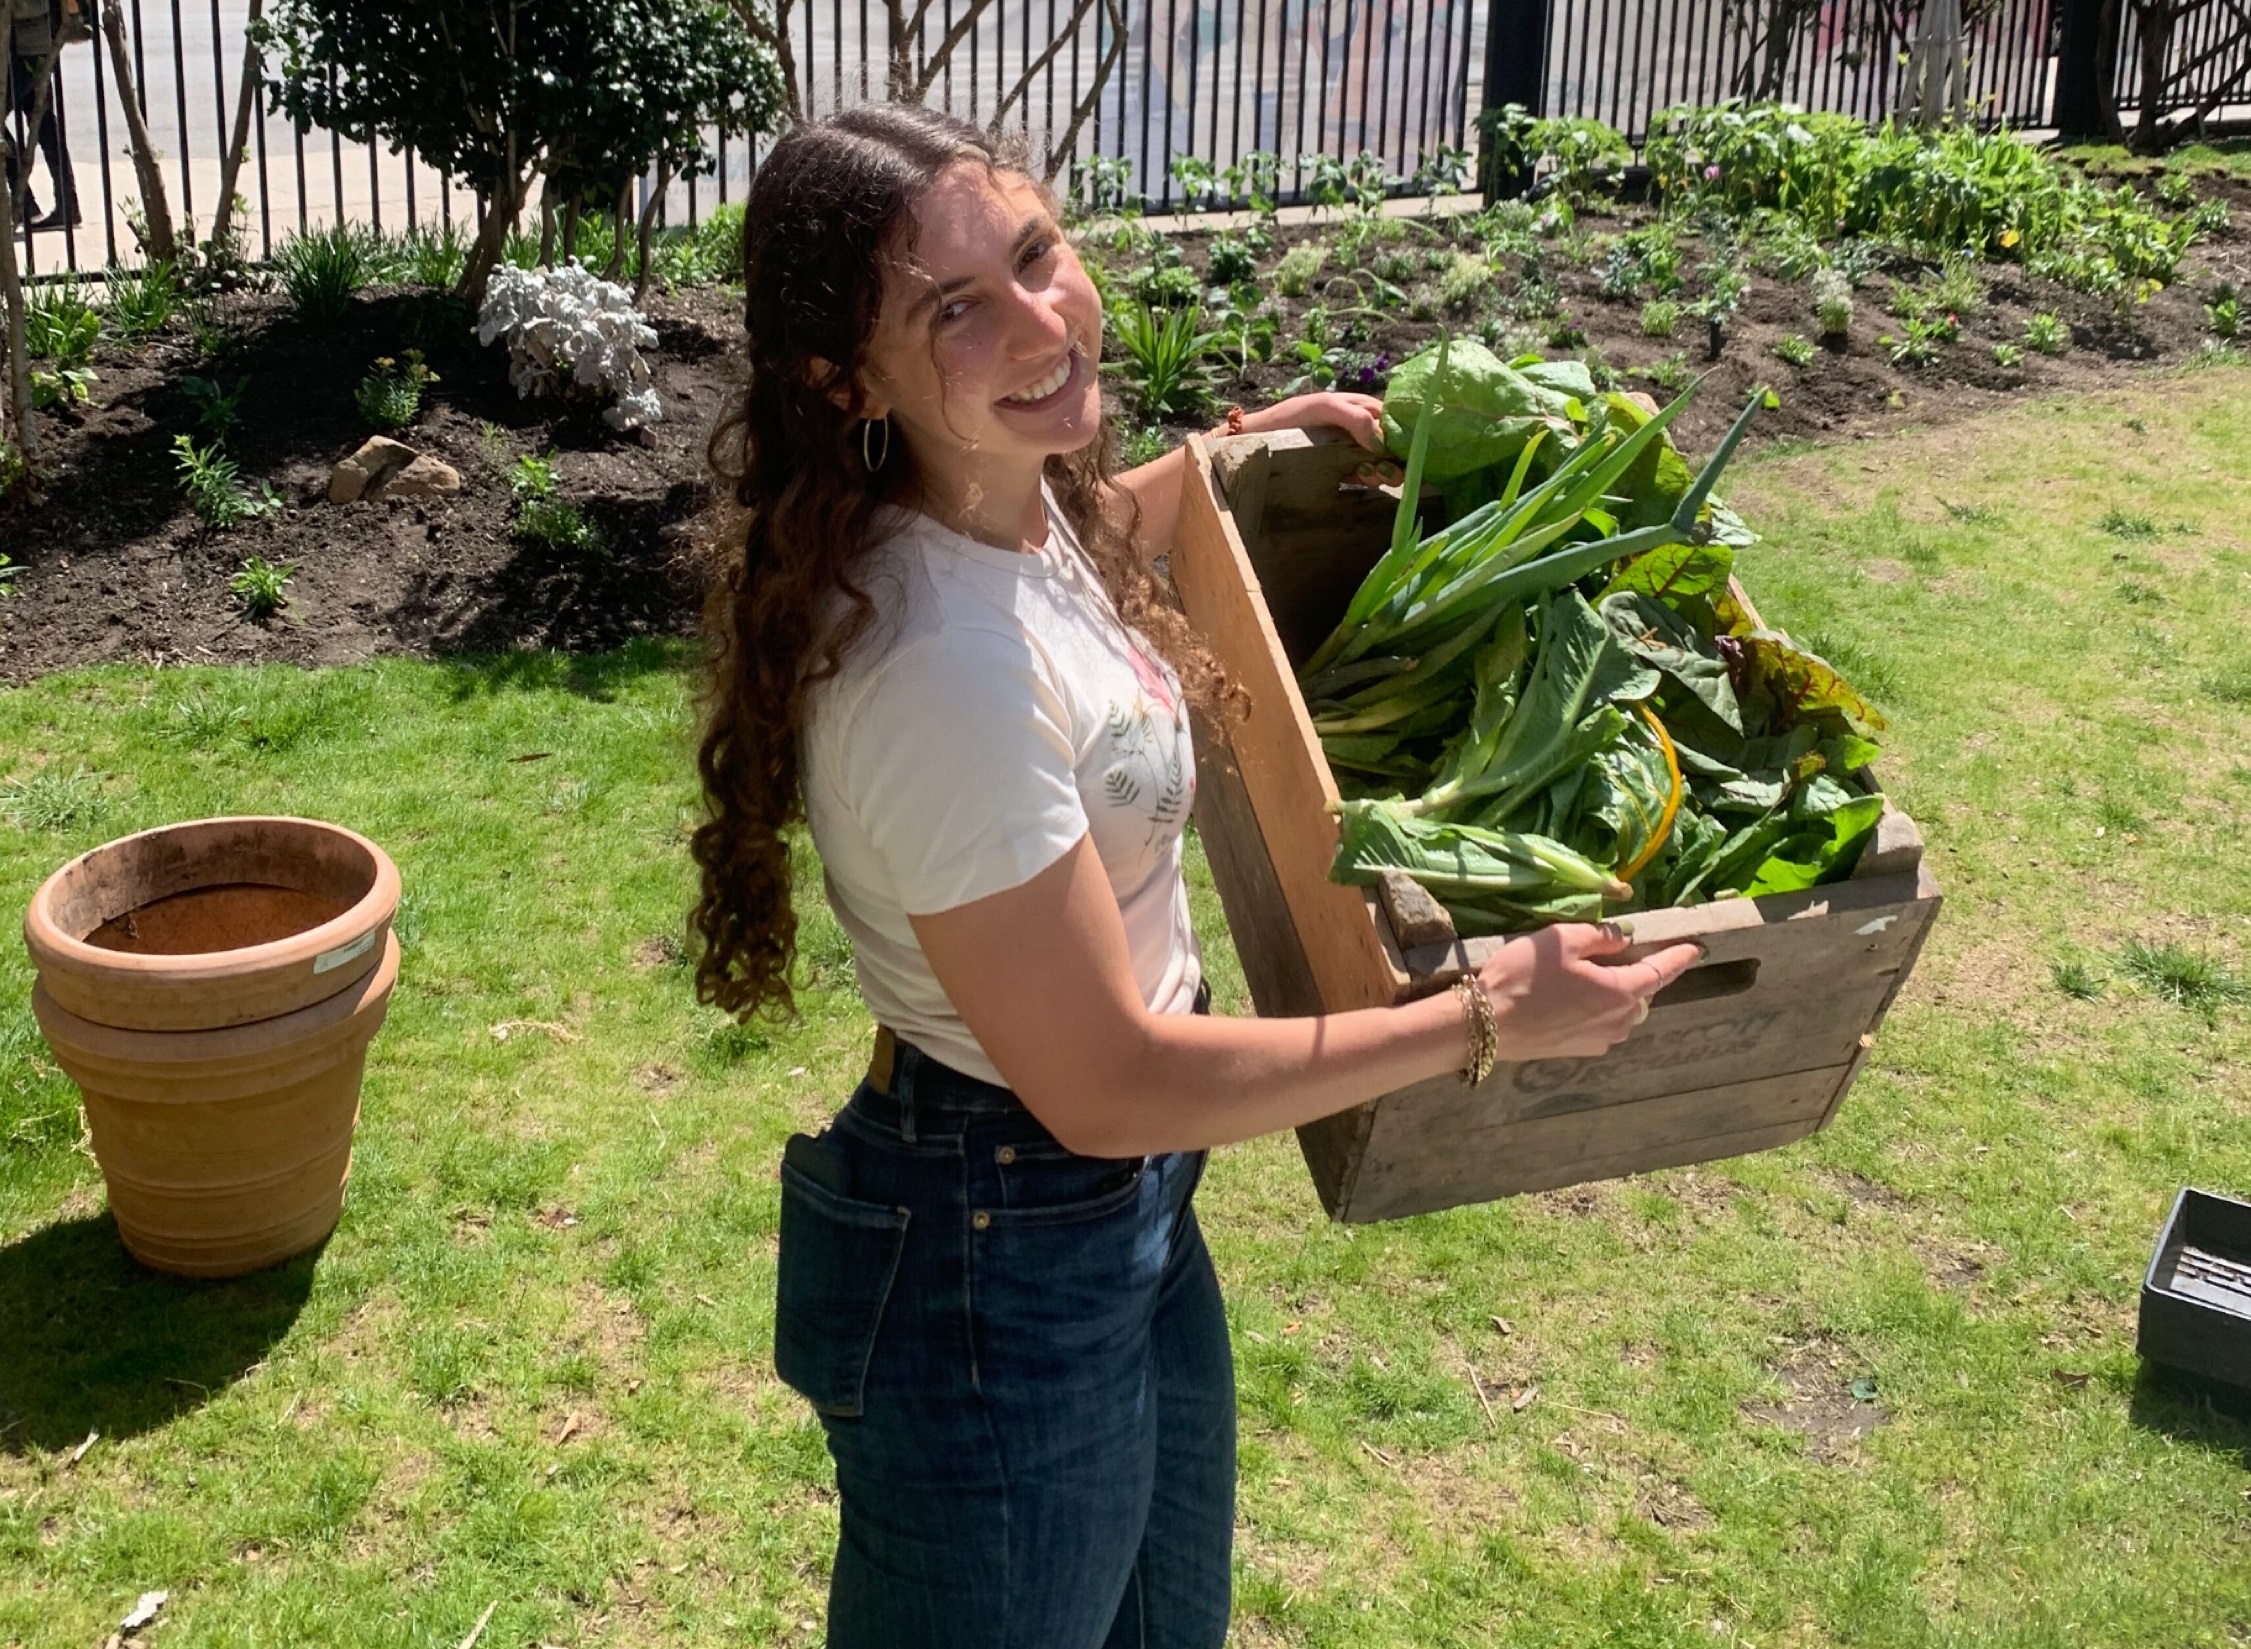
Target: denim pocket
point(1041, 1182)
point(838, 1259)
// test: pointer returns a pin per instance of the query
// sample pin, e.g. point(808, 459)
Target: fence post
point(2080, 104)
point(1516, 71)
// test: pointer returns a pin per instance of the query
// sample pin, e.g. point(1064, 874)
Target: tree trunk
point(156, 205)
point(492, 239)
point(648, 228)
point(568, 246)
point(253, 64)
point(2155, 18)
point(17, 407)
point(774, 35)
point(547, 222)
point(621, 214)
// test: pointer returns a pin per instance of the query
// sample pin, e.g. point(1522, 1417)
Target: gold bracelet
point(1484, 1031)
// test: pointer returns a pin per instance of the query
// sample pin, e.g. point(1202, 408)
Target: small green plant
point(2047, 333)
point(1794, 350)
point(216, 410)
point(435, 256)
point(2126, 524)
point(2076, 980)
point(59, 325)
point(1564, 332)
point(2187, 978)
point(15, 480)
point(323, 268)
point(2224, 312)
point(543, 516)
point(1142, 444)
point(213, 335)
point(260, 586)
point(1920, 339)
point(1465, 282)
point(1832, 302)
point(1398, 268)
point(61, 386)
point(1232, 258)
point(2008, 354)
point(1300, 267)
point(1165, 354)
point(390, 397)
point(1660, 318)
point(214, 487)
point(1670, 374)
point(2212, 352)
point(141, 302)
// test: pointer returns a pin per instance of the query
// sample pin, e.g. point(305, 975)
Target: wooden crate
point(1754, 1048)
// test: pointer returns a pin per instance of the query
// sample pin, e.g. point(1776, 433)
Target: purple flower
point(1711, 174)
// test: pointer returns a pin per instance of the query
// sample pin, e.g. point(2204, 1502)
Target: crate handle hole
point(1712, 979)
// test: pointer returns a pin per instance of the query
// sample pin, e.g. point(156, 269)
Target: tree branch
point(1059, 155)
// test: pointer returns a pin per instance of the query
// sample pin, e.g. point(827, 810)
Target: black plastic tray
point(2196, 1299)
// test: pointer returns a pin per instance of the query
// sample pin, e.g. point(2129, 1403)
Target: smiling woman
point(939, 643)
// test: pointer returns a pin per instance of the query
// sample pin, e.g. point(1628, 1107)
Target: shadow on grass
point(596, 676)
point(2203, 1413)
point(91, 1340)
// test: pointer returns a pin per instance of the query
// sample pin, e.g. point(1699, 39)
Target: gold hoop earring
point(875, 460)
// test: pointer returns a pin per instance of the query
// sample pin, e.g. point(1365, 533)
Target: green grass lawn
point(1875, 1389)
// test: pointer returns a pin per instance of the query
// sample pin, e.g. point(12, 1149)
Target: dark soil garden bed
point(1852, 389)
point(117, 568)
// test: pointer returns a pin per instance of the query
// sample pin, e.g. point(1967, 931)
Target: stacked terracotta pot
point(212, 989)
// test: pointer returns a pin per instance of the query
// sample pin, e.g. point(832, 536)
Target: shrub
point(214, 487)
point(141, 302)
point(588, 95)
point(1300, 265)
point(1660, 318)
point(1232, 258)
point(2047, 333)
point(1832, 303)
point(390, 397)
point(543, 516)
point(323, 268)
point(1794, 350)
point(260, 585)
point(570, 333)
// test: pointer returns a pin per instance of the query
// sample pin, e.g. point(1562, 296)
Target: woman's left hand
point(1359, 416)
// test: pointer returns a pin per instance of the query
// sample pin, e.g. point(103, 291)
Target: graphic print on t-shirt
point(1150, 766)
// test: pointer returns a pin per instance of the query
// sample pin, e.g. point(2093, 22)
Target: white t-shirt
point(997, 711)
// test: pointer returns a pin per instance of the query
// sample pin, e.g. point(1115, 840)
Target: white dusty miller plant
point(570, 331)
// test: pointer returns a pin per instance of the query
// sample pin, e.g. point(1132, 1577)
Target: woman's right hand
point(1558, 996)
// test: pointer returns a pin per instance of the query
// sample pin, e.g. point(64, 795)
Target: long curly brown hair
point(828, 211)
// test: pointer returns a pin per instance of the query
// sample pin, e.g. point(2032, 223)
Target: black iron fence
point(1145, 81)
point(1625, 63)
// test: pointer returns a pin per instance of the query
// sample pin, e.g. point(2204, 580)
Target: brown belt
point(886, 1060)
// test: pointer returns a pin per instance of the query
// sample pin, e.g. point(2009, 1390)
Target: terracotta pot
point(212, 989)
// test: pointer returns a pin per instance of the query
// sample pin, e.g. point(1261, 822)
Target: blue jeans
point(1021, 1360)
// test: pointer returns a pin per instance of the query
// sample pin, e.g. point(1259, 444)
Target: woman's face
point(986, 345)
